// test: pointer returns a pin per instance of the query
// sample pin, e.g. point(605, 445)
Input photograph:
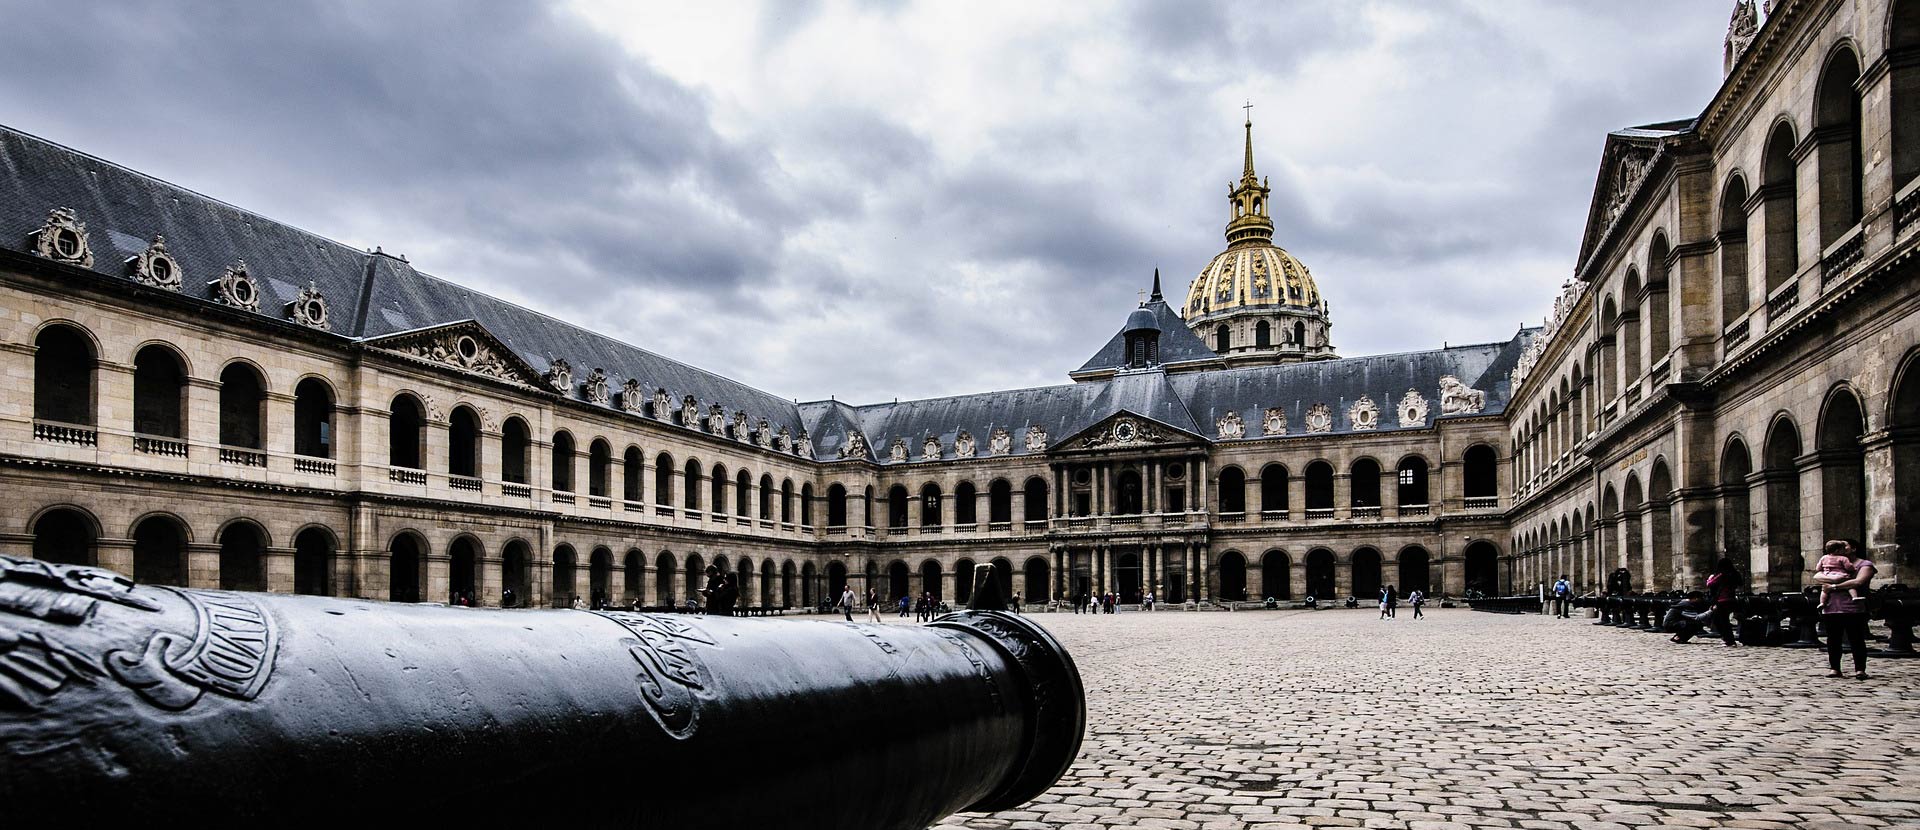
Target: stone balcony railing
point(316, 466)
point(79, 436)
point(1482, 502)
point(406, 475)
point(244, 457)
point(157, 445)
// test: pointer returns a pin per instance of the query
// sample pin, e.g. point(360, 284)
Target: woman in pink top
point(1842, 612)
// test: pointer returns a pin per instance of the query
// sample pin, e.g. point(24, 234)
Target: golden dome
point(1252, 276)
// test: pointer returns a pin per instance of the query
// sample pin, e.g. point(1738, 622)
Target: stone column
point(1342, 494)
point(1204, 554)
point(113, 554)
point(277, 567)
point(203, 565)
point(1883, 497)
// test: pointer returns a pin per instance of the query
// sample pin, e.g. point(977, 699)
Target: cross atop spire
point(1249, 221)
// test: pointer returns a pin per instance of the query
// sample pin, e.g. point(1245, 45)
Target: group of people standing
point(722, 592)
point(1390, 603)
point(1085, 603)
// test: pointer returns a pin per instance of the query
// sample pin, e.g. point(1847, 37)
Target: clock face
point(1123, 431)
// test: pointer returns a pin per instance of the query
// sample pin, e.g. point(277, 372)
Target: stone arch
point(65, 357)
point(516, 451)
point(1273, 488)
point(1903, 44)
point(1038, 587)
point(65, 534)
point(464, 555)
point(313, 409)
point(243, 405)
point(566, 564)
point(463, 442)
point(1363, 568)
point(1276, 575)
point(1836, 128)
point(836, 505)
point(516, 574)
point(243, 555)
point(600, 468)
point(1781, 472)
point(1660, 530)
point(1232, 484)
point(1903, 423)
point(1319, 485)
point(315, 547)
point(1415, 572)
point(1779, 216)
point(1480, 472)
point(1842, 459)
point(1320, 574)
point(965, 504)
point(160, 391)
point(160, 550)
point(1482, 561)
point(664, 571)
point(1732, 238)
point(930, 578)
point(563, 452)
point(407, 566)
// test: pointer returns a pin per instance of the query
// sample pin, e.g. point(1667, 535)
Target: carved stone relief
point(155, 267)
point(782, 439)
point(63, 238)
point(596, 387)
point(739, 430)
point(1231, 426)
point(461, 351)
point(762, 433)
point(963, 445)
point(716, 419)
point(1273, 421)
point(662, 404)
point(804, 446)
point(1364, 414)
point(930, 449)
point(1457, 398)
point(898, 450)
point(1036, 439)
point(309, 309)
point(1000, 442)
point(559, 376)
point(236, 288)
point(1413, 409)
point(689, 412)
point(856, 446)
point(1319, 418)
point(632, 400)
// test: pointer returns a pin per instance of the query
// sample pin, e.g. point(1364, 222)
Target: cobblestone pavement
point(1271, 719)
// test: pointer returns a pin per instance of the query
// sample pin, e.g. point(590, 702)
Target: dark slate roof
point(1177, 342)
point(370, 294)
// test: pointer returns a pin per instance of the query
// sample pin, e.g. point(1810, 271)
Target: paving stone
point(1291, 719)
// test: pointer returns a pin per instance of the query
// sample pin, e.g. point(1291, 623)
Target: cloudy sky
point(876, 199)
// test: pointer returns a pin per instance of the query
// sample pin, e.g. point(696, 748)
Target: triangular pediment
point(464, 345)
point(1624, 164)
point(1126, 430)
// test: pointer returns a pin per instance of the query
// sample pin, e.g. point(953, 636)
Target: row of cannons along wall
point(160, 549)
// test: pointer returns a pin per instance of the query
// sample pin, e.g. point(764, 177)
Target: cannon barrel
point(143, 704)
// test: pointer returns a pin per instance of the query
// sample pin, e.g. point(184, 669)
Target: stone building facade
point(203, 396)
point(1731, 373)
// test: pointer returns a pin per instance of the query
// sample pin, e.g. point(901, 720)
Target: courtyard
point(1271, 719)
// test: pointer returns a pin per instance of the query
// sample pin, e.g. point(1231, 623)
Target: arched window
point(313, 562)
point(717, 486)
point(1843, 483)
point(1276, 575)
point(1000, 501)
point(1035, 496)
point(836, 505)
point(664, 571)
point(65, 536)
point(806, 505)
point(1412, 482)
point(516, 449)
point(866, 506)
point(160, 552)
point(743, 495)
point(1480, 473)
point(243, 407)
point(63, 376)
point(1364, 479)
point(1780, 209)
point(1782, 474)
point(1609, 349)
point(1630, 328)
point(1734, 299)
point(159, 393)
point(599, 468)
point(1130, 496)
point(406, 432)
point(1903, 46)
point(1222, 338)
point(313, 419)
point(766, 497)
point(631, 569)
point(563, 462)
point(965, 509)
point(1659, 329)
point(632, 468)
point(1262, 334)
point(663, 480)
point(1836, 122)
point(463, 443)
point(786, 501)
point(1300, 333)
point(1319, 486)
point(599, 578)
point(897, 507)
point(930, 505)
point(1273, 488)
point(692, 476)
point(1233, 490)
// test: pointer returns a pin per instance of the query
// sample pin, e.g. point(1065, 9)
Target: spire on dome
point(1249, 223)
point(1156, 297)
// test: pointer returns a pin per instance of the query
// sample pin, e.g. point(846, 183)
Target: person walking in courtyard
point(1562, 597)
point(1843, 612)
point(1418, 599)
point(1016, 603)
point(1383, 603)
point(1393, 602)
point(873, 605)
point(846, 601)
point(1722, 589)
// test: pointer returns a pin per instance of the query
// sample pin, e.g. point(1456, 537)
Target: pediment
point(1126, 430)
point(1623, 168)
point(466, 346)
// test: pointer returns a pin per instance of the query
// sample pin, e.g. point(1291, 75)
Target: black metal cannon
point(1585, 602)
point(1755, 617)
point(127, 705)
point(1802, 613)
point(1900, 607)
